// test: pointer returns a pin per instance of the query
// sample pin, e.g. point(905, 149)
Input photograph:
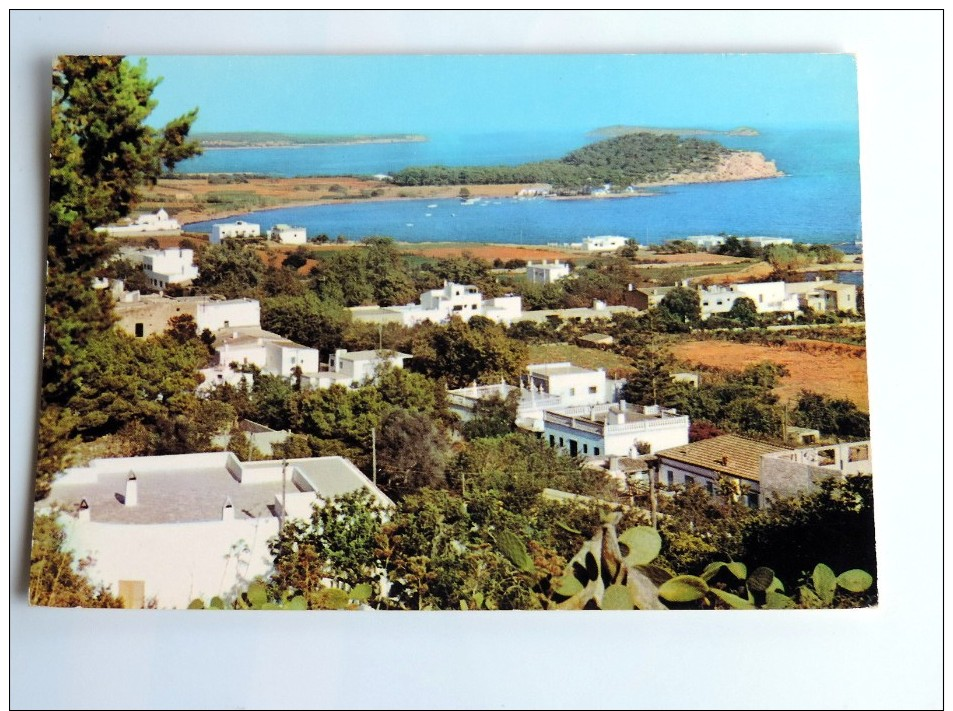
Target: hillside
point(636, 158)
point(621, 130)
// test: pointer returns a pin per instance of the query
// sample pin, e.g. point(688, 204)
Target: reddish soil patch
point(757, 271)
point(834, 369)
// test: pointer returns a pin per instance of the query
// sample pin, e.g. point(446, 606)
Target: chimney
point(83, 513)
point(228, 511)
point(724, 460)
point(132, 490)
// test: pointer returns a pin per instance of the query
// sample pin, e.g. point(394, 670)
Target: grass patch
point(583, 357)
point(672, 275)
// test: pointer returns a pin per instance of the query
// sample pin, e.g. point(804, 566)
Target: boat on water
point(469, 201)
point(432, 206)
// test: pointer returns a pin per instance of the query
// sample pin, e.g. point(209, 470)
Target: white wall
point(227, 230)
point(234, 313)
point(290, 235)
point(177, 562)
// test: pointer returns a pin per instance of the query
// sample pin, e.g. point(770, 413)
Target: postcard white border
point(887, 657)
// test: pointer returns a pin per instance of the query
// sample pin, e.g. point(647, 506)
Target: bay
point(818, 200)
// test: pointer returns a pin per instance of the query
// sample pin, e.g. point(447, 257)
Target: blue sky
point(487, 93)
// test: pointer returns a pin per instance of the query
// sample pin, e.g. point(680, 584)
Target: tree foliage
point(462, 353)
point(632, 158)
point(56, 577)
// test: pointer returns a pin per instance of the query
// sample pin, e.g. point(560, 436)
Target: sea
point(817, 200)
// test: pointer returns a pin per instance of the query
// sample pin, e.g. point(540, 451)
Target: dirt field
point(833, 369)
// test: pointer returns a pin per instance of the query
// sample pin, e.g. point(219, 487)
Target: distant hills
point(620, 130)
point(263, 139)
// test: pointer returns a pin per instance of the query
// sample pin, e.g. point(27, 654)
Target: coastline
point(735, 167)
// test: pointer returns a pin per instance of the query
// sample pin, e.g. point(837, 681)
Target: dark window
point(753, 500)
point(595, 451)
point(593, 389)
point(711, 488)
point(689, 480)
point(560, 441)
point(585, 448)
point(671, 477)
point(552, 441)
point(139, 330)
point(573, 448)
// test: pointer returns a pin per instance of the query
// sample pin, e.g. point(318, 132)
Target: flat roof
point(557, 369)
point(372, 355)
point(186, 492)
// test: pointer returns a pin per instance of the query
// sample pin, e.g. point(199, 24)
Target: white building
point(439, 305)
point(767, 297)
point(285, 234)
point(708, 461)
point(614, 430)
point(572, 384)
point(547, 386)
point(604, 243)
point(712, 241)
point(824, 295)
point(363, 365)
point(160, 222)
point(799, 471)
point(228, 230)
point(536, 190)
point(169, 529)
point(268, 351)
point(143, 316)
point(545, 272)
point(164, 266)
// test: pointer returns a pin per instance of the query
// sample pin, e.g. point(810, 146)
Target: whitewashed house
point(547, 386)
point(439, 305)
point(230, 230)
point(360, 366)
point(286, 234)
point(164, 266)
point(546, 272)
point(604, 243)
point(824, 295)
point(768, 297)
point(168, 529)
point(149, 223)
point(614, 430)
point(142, 316)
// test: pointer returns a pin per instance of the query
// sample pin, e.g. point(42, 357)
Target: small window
point(572, 391)
point(711, 488)
point(689, 480)
point(585, 448)
point(595, 451)
point(552, 441)
point(753, 500)
point(593, 389)
point(226, 324)
point(139, 330)
point(671, 477)
point(561, 442)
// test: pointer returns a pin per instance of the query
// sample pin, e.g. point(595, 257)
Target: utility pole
point(374, 454)
point(653, 504)
point(284, 488)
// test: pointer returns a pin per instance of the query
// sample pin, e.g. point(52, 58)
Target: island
point(622, 130)
point(262, 139)
point(613, 164)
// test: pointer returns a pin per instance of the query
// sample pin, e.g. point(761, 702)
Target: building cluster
point(768, 297)
point(243, 346)
point(715, 241)
point(283, 234)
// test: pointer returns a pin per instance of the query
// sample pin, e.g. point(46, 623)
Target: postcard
point(455, 333)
